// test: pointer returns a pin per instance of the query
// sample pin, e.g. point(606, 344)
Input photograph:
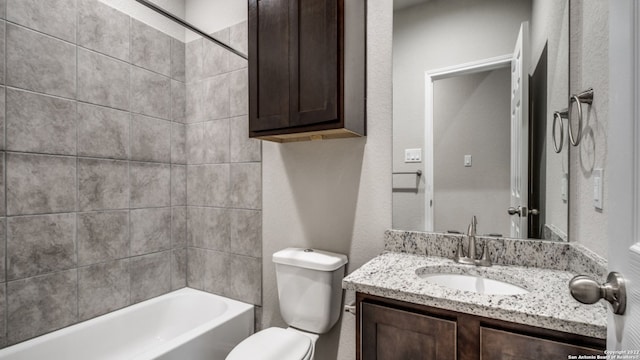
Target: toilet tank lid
point(310, 259)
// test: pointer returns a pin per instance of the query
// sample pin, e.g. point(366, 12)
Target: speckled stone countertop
point(548, 303)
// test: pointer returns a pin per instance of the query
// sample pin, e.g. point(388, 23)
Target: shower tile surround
point(100, 117)
point(223, 172)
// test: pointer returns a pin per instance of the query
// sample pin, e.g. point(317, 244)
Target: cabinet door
point(502, 345)
point(268, 64)
point(314, 62)
point(391, 334)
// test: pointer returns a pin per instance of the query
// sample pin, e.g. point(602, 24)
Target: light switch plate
point(467, 160)
point(597, 188)
point(412, 155)
point(564, 187)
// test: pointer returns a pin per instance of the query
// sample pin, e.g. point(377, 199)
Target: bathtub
point(184, 324)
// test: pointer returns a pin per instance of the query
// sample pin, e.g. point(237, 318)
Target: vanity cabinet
point(390, 329)
point(306, 69)
point(499, 344)
point(390, 333)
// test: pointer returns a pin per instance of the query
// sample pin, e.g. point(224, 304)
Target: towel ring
point(585, 97)
point(563, 114)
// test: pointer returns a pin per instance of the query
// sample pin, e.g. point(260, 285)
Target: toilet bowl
point(276, 344)
point(310, 298)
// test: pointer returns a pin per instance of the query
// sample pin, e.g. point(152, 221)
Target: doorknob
point(522, 211)
point(588, 291)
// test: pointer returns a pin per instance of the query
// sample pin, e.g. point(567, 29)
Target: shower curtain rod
point(185, 24)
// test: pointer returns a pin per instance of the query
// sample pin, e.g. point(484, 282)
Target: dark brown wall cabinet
point(394, 330)
point(306, 69)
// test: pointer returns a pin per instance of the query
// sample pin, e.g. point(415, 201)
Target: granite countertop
point(548, 304)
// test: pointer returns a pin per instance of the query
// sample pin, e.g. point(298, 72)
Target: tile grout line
point(171, 168)
point(77, 17)
point(5, 330)
point(129, 164)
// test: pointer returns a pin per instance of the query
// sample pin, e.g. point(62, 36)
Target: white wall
point(431, 36)
point(334, 194)
point(471, 116)
point(589, 61)
point(151, 18)
point(213, 15)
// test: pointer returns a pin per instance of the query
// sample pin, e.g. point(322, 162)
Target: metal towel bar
point(585, 97)
point(562, 114)
point(417, 173)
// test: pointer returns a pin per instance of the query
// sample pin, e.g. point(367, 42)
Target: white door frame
point(429, 77)
point(623, 160)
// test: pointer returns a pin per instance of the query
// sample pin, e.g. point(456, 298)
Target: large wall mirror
point(476, 84)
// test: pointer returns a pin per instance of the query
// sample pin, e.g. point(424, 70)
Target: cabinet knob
point(588, 291)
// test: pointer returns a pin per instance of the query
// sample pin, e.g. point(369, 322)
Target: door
point(390, 334)
point(268, 65)
point(504, 345)
point(537, 196)
point(623, 162)
point(294, 67)
point(313, 62)
point(519, 132)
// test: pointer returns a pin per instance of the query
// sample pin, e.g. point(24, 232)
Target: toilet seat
point(273, 344)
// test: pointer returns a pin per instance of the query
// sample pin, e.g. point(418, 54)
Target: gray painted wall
point(335, 194)
point(589, 61)
point(471, 117)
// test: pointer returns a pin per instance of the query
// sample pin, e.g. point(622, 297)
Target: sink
point(472, 283)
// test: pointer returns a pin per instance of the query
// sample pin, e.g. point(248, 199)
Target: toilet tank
point(309, 287)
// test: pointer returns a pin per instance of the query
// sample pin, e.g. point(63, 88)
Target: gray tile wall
point(224, 172)
point(93, 164)
point(126, 167)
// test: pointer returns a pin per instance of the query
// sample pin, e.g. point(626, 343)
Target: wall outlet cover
point(412, 155)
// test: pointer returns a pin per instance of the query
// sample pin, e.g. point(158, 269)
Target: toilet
point(310, 297)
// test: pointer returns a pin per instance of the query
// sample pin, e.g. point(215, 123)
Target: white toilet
point(310, 296)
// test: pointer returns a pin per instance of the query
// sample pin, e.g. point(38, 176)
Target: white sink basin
point(477, 284)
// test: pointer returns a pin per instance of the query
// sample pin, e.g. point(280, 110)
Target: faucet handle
point(460, 257)
point(460, 250)
point(484, 260)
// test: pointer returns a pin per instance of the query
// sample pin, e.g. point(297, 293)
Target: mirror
point(463, 144)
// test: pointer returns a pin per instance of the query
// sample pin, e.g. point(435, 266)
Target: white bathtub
point(184, 324)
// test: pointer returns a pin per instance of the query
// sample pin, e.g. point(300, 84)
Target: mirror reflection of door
point(519, 209)
point(537, 146)
point(471, 143)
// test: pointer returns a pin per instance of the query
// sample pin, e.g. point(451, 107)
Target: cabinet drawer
point(392, 334)
point(503, 345)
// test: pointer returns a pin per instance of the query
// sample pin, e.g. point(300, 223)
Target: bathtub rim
point(234, 309)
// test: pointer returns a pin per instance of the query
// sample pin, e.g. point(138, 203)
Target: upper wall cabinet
point(306, 69)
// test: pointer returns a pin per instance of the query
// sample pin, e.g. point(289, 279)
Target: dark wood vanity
point(396, 330)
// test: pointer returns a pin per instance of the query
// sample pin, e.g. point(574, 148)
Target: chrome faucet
point(471, 258)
